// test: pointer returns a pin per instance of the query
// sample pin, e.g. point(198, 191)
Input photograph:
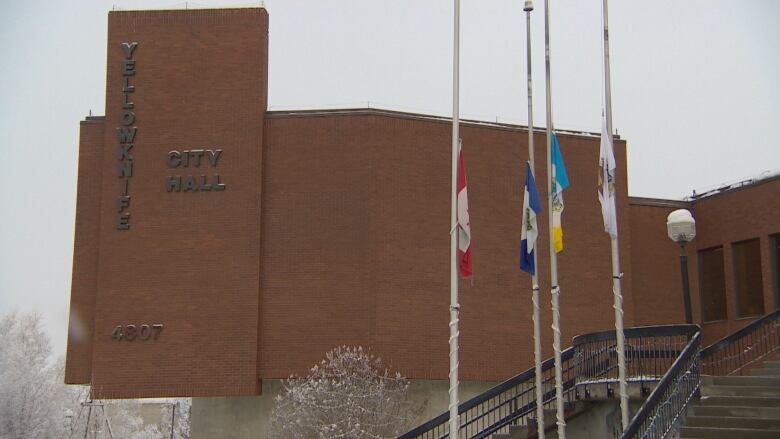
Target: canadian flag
point(465, 264)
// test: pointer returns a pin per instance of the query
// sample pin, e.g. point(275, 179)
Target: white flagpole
point(529, 6)
point(555, 289)
point(616, 275)
point(454, 306)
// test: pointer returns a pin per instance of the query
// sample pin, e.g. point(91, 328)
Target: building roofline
point(371, 111)
point(733, 187)
point(188, 7)
point(94, 119)
point(658, 202)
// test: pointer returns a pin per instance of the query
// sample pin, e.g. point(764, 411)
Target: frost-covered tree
point(348, 395)
point(33, 398)
point(181, 418)
point(124, 420)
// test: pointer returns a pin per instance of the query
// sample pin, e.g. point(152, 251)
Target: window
point(774, 253)
point(748, 282)
point(712, 284)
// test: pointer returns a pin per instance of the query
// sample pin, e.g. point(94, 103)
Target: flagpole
point(555, 289)
point(529, 6)
point(454, 306)
point(616, 275)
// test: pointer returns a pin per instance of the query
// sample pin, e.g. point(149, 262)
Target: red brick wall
point(353, 211)
point(734, 216)
point(356, 244)
point(189, 260)
point(655, 266)
point(85, 258)
point(723, 219)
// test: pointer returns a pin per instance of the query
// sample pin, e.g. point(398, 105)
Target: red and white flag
point(465, 265)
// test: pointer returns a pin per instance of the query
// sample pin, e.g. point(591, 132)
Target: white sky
point(695, 93)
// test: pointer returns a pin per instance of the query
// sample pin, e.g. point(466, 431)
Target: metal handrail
point(429, 428)
point(659, 406)
point(592, 356)
point(637, 332)
point(649, 352)
point(507, 403)
point(732, 353)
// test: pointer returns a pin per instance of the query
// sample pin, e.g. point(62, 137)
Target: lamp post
point(681, 228)
point(68, 424)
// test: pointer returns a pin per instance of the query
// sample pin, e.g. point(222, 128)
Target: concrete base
point(600, 420)
point(243, 417)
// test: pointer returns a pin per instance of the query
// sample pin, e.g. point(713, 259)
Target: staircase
point(524, 431)
point(736, 407)
point(738, 398)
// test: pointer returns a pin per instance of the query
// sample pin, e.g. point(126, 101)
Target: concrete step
point(747, 391)
point(728, 433)
point(518, 431)
point(745, 412)
point(773, 381)
point(764, 371)
point(732, 422)
point(772, 364)
point(550, 417)
point(515, 432)
point(741, 401)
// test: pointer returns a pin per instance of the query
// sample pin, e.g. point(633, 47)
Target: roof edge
point(659, 202)
point(371, 111)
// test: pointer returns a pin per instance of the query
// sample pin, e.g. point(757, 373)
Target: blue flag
point(532, 206)
point(560, 182)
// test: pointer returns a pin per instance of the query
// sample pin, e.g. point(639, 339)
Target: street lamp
point(681, 228)
point(69, 420)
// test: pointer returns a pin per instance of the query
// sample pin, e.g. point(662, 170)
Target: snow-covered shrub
point(348, 395)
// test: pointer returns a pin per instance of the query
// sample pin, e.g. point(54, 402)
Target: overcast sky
point(695, 93)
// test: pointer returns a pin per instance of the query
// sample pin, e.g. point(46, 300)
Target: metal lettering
point(157, 329)
point(123, 151)
point(130, 332)
point(173, 183)
point(122, 203)
point(213, 156)
point(196, 154)
point(128, 67)
point(126, 134)
point(174, 159)
point(123, 220)
point(190, 184)
point(145, 332)
point(204, 183)
point(126, 103)
point(129, 48)
point(216, 185)
point(127, 88)
point(124, 169)
point(127, 117)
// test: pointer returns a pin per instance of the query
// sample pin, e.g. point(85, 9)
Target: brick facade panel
point(356, 245)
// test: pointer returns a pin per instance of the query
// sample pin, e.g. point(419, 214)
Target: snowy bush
point(348, 395)
point(34, 400)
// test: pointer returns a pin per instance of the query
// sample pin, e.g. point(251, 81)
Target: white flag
point(607, 181)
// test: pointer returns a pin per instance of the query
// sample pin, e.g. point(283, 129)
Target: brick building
point(220, 247)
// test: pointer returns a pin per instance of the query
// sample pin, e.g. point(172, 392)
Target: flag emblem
point(606, 186)
point(532, 206)
point(560, 181)
point(465, 264)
